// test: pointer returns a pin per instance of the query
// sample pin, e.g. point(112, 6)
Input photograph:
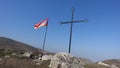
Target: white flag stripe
point(43, 23)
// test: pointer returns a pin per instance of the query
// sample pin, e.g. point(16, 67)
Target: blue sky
point(97, 40)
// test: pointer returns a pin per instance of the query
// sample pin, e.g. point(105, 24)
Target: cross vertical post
point(71, 27)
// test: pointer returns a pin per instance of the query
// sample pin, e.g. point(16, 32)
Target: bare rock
point(65, 60)
point(104, 64)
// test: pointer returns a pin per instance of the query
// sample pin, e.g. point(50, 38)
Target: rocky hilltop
point(26, 56)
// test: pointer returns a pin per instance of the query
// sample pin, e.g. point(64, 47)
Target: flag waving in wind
point(42, 23)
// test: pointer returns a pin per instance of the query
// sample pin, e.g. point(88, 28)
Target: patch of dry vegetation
point(15, 62)
point(94, 66)
point(19, 61)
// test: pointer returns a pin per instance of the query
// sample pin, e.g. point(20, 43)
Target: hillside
point(6, 43)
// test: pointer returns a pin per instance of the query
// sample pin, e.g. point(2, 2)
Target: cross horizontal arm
point(73, 21)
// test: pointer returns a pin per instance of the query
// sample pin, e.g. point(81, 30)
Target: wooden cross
point(71, 26)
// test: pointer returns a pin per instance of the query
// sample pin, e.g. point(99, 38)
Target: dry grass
point(94, 66)
point(15, 62)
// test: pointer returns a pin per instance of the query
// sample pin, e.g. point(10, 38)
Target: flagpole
point(44, 39)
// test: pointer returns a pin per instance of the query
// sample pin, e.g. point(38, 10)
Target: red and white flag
point(42, 23)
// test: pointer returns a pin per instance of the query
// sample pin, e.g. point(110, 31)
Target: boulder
point(47, 57)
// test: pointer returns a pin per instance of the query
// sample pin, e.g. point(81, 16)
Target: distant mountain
point(115, 62)
point(7, 43)
point(112, 63)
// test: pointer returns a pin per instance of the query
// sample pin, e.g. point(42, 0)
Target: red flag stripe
point(43, 23)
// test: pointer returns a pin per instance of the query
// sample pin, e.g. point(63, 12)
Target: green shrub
point(2, 54)
point(45, 64)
